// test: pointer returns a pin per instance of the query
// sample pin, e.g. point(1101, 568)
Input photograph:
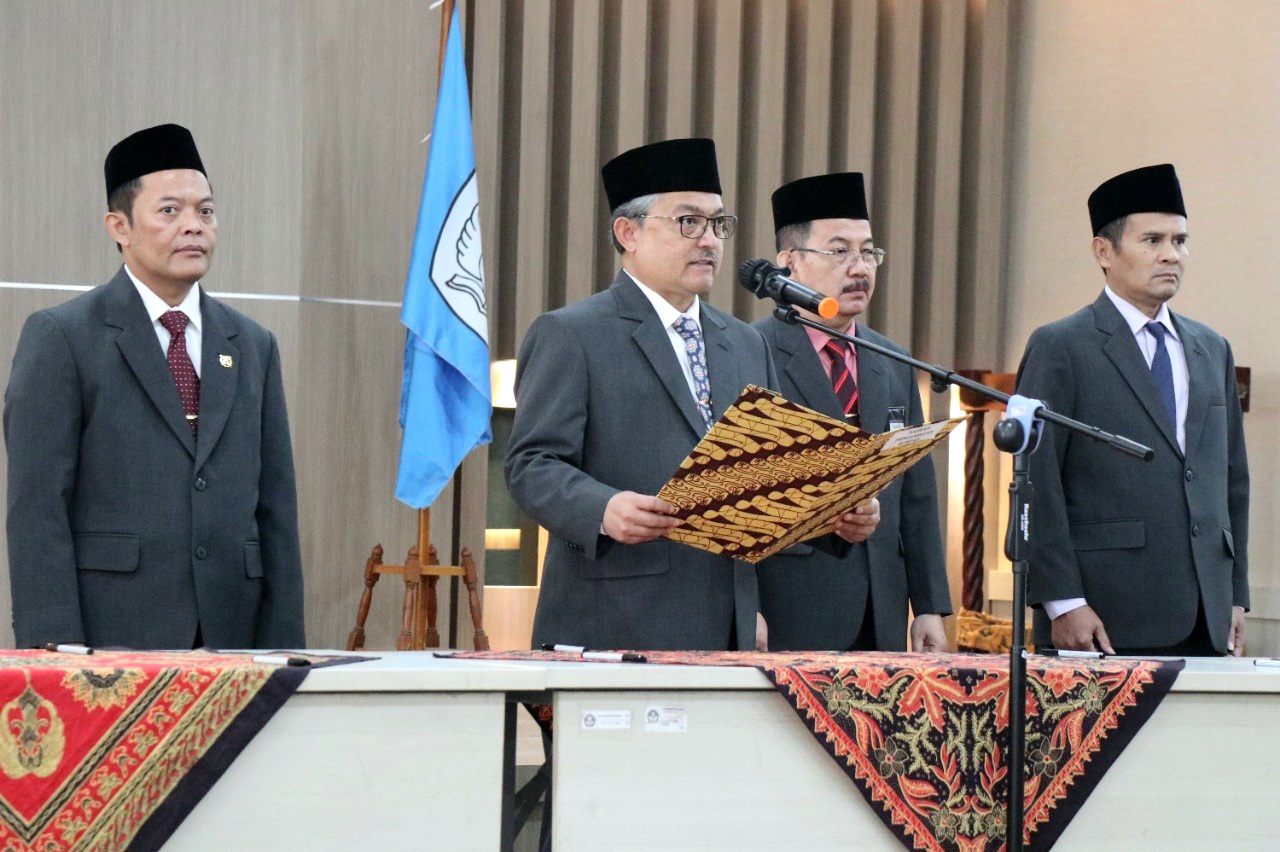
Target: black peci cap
point(838, 196)
point(155, 149)
point(1150, 189)
point(676, 165)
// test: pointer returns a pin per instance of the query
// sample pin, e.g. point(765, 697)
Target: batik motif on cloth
point(922, 736)
point(111, 751)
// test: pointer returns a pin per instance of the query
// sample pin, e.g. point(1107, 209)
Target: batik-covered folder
point(770, 474)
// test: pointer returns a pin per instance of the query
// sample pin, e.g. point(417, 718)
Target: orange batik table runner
point(111, 751)
point(922, 736)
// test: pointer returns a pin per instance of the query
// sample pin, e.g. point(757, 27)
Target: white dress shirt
point(668, 314)
point(156, 307)
point(1137, 322)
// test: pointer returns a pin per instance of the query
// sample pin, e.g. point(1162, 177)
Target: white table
point(1203, 773)
point(401, 753)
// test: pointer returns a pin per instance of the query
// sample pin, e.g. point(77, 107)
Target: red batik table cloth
point(111, 751)
point(922, 736)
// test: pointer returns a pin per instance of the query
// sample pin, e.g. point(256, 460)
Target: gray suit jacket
point(124, 529)
point(604, 407)
point(815, 601)
point(1143, 543)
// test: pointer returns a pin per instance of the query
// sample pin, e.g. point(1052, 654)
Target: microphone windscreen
point(751, 274)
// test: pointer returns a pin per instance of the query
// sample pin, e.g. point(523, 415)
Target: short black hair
point(1113, 231)
point(633, 209)
point(793, 236)
point(121, 201)
point(123, 196)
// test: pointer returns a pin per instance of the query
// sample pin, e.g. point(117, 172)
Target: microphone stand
point(1018, 434)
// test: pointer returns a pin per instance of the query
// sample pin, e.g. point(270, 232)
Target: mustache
point(708, 254)
point(858, 285)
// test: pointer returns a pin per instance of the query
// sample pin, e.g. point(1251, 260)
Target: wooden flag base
point(418, 614)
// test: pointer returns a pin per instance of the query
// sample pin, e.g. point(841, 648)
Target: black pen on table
point(611, 656)
point(281, 660)
point(1067, 653)
point(68, 649)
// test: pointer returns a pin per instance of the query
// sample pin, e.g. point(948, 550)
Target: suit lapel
point(1200, 378)
point(1122, 349)
point(141, 350)
point(873, 398)
point(722, 367)
point(219, 366)
point(651, 337)
point(804, 369)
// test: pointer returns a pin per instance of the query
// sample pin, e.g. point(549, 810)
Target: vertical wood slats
point(764, 129)
point(898, 143)
point(534, 190)
point(586, 229)
point(982, 335)
point(725, 113)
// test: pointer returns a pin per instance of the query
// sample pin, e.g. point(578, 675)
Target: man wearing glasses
point(613, 393)
point(811, 600)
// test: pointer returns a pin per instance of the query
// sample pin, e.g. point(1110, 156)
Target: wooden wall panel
point(680, 72)
point(855, 91)
point(811, 66)
point(897, 147)
point(725, 26)
point(586, 227)
point(981, 323)
point(760, 169)
point(533, 191)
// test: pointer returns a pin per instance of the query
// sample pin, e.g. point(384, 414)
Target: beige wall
point(1108, 86)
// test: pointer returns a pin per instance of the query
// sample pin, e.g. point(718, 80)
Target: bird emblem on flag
point(457, 269)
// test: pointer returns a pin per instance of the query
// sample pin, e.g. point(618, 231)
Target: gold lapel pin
point(225, 360)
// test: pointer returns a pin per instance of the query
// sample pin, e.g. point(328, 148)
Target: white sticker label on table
point(666, 720)
point(606, 720)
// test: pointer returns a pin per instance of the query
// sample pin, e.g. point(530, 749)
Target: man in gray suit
point(151, 489)
point(613, 393)
point(1136, 557)
point(812, 600)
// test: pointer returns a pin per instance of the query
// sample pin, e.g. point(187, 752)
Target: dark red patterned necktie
point(842, 380)
point(184, 372)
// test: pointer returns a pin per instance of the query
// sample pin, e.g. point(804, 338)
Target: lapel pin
point(225, 360)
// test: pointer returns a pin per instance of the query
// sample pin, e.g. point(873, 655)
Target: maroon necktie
point(842, 380)
point(184, 372)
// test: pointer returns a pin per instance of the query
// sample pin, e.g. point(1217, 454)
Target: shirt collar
point(1136, 319)
point(666, 311)
point(819, 338)
point(157, 307)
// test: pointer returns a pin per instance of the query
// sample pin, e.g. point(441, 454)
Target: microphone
point(770, 282)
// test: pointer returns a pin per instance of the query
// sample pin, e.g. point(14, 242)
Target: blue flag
point(445, 402)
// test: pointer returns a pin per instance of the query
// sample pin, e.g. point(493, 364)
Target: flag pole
point(424, 514)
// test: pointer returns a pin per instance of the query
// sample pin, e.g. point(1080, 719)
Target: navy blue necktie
point(1162, 371)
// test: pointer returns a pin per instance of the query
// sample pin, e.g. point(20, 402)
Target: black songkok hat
point(838, 196)
point(155, 149)
point(677, 165)
point(1150, 189)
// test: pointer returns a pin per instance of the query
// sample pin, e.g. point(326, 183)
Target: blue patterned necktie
point(692, 336)
point(1162, 370)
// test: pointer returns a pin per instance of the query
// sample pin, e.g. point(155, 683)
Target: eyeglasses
point(844, 257)
point(693, 226)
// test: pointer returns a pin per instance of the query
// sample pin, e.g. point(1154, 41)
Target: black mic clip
point(786, 313)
